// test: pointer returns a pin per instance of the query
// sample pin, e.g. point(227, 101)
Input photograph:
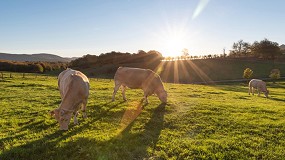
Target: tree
point(185, 53)
point(247, 73)
point(266, 49)
point(274, 74)
point(240, 49)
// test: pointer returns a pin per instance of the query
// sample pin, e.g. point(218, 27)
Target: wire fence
point(11, 75)
point(17, 75)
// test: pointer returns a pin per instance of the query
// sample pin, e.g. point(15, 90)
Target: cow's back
point(132, 77)
point(79, 85)
point(66, 80)
point(254, 83)
point(257, 83)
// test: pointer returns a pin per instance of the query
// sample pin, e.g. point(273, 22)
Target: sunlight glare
point(173, 42)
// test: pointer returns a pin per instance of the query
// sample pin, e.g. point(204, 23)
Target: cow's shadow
point(277, 99)
point(146, 139)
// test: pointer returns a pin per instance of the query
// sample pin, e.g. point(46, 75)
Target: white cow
point(136, 78)
point(259, 85)
point(74, 91)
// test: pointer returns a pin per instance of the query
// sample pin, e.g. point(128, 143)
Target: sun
point(173, 47)
point(173, 43)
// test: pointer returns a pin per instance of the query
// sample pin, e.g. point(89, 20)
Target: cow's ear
point(61, 112)
point(54, 112)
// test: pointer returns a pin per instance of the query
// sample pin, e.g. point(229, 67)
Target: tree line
point(265, 49)
point(144, 59)
point(31, 67)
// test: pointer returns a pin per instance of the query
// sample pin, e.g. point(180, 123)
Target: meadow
point(198, 122)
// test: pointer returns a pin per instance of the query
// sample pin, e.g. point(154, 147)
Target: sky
point(73, 28)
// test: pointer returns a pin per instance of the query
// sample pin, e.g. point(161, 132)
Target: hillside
point(34, 57)
point(196, 71)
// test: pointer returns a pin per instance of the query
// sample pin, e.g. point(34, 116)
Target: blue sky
point(72, 28)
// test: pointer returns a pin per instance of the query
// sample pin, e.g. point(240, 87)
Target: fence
point(16, 75)
point(11, 75)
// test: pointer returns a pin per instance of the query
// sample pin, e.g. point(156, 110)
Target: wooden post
point(23, 75)
point(2, 75)
point(10, 75)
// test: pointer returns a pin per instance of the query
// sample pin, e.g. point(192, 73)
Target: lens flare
point(199, 9)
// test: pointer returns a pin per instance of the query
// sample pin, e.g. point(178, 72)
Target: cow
point(137, 78)
point(74, 91)
point(259, 85)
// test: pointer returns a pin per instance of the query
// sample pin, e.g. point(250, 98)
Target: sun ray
point(200, 73)
point(184, 70)
point(130, 115)
point(176, 72)
point(166, 70)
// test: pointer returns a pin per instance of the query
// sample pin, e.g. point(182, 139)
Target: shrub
point(274, 74)
point(247, 73)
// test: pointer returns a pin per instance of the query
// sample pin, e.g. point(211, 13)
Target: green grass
point(199, 122)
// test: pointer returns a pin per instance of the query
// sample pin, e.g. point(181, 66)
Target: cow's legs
point(253, 90)
point(124, 92)
point(249, 90)
point(117, 86)
point(84, 104)
point(145, 97)
point(75, 118)
point(258, 90)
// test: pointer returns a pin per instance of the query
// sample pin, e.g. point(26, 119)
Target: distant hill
point(282, 46)
point(34, 57)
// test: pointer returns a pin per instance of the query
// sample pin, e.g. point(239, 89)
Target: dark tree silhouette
point(266, 49)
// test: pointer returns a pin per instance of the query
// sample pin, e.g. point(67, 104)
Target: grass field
point(199, 122)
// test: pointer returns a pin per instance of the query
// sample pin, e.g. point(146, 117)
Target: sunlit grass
point(199, 122)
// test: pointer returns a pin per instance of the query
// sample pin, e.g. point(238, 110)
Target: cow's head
point(162, 95)
point(63, 117)
point(266, 93)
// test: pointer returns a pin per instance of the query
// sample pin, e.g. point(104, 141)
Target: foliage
point(274, 74)
point(141, 59)
point(199, 122)
point(240, 49)
point(247, 73)
point(266, 49)
point(32, 67)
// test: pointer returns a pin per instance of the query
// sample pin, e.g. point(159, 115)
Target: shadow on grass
point(46, 147)
point(134, 144)
point(277, 99)
point(233, 88)
point(138, 144)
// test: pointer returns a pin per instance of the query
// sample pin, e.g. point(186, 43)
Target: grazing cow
point(259, 85)
point(136, 78)
point(74, 91)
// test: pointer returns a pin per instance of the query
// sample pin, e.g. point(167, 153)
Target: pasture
point(199, 122)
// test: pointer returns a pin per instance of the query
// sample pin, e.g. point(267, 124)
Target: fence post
point(2, 75)
point(23, 75)
point(10, 75)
